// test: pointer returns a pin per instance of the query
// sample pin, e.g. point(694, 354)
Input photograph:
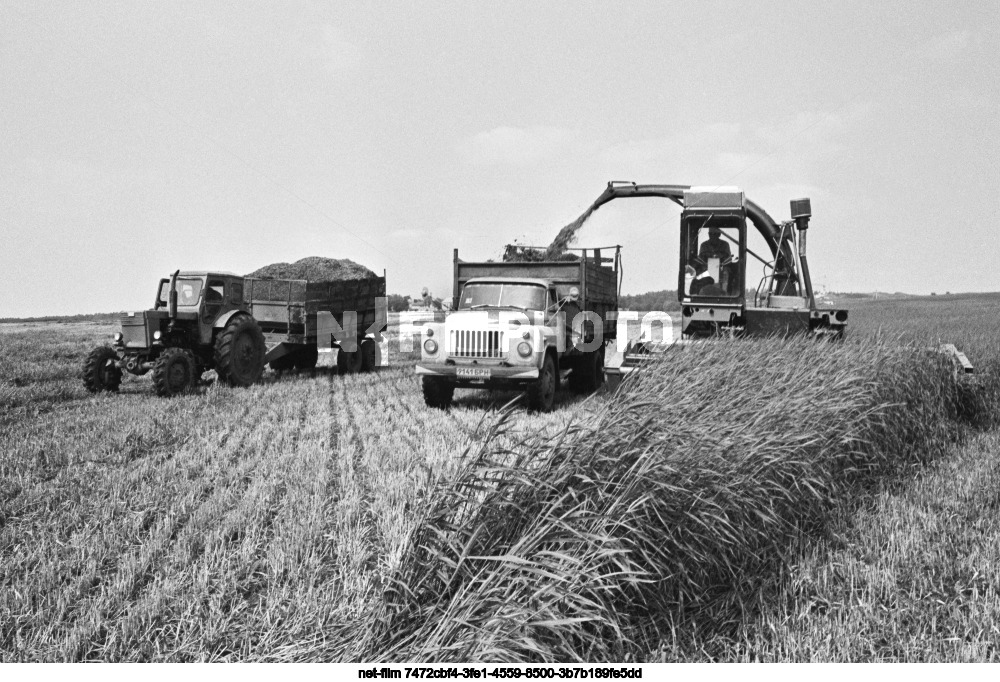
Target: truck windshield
point(503, 295)
point(188, 291)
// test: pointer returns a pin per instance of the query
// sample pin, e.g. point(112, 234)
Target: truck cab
point(519, 325)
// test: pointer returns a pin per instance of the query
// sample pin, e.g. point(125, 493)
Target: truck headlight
point(157, 336)
point(430, 346)
point(524, 349)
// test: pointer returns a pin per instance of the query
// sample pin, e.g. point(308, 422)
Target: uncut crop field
point(749, 501)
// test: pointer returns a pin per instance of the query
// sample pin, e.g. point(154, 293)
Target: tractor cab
point(202, 293)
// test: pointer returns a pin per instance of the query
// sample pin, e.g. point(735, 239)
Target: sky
point(137, 138)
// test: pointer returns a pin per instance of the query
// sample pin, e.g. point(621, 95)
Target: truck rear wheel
point(349, 362)
point(174, 372)
point(437, 392)
point(239, 352)
point(100, 373)
point(588, 375)
point(542, 393)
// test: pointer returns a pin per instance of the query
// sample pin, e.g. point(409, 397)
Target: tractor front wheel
point(175, 372)
point(100, 371)
point(239, 352)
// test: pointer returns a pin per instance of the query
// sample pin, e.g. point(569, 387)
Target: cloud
point(510, 146)
point(671, 147)
point(338, 53)
point(953, 44)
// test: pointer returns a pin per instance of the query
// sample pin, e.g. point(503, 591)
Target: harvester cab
point(714, 267)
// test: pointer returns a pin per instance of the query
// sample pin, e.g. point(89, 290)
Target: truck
point(522, 326)
point(210, 320)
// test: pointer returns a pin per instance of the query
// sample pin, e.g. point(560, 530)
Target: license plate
point(473, 372)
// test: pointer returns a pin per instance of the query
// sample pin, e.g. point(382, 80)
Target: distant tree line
point(651, 300)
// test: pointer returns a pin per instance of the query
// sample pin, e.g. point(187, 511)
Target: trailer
point(300, 318)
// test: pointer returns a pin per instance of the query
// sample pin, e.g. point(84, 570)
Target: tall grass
point(667, 510)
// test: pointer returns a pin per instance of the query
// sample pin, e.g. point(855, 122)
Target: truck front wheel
point(100, 373)
point(239, 352)
point(438, 393)
point(542, 393)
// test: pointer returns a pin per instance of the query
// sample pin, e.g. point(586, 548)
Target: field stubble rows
point(270, 523)
point(229, 523)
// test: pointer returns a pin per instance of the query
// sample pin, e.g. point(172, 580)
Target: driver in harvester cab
point(714, 247)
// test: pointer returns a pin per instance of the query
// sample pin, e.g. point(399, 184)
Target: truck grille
point(475, 344)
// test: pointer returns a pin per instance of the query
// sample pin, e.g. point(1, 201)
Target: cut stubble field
point(750, 501)
point(228, 523)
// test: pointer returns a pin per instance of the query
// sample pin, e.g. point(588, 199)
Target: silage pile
point(315, 269)
point(667, 510)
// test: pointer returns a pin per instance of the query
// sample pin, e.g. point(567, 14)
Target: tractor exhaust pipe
point(801, 212)
point(172, 296)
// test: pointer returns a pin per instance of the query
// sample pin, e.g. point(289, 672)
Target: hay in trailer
point(315, 269)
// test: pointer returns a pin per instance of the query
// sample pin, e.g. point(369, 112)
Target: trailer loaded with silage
point(319, 303)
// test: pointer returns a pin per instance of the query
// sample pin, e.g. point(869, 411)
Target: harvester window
point(713, 259)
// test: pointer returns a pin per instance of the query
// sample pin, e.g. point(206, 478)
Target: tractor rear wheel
point(349, 362)
point(371, 355)
point(239, 352)
point(306, 357)
point(437, 392)
point(542, 393)
point(100, 373)
point(175, 372)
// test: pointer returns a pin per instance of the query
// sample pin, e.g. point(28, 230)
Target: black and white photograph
point(481, 340)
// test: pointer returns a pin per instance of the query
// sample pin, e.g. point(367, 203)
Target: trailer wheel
point(371, 355)
point(349, 362)
point(306, 357)
point(239, 352)
point(542, 393)
point(100, 373)
point(438, 393)
point(175, 372)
